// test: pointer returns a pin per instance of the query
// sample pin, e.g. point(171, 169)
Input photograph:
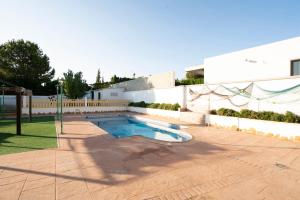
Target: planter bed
point(158, 112)
point(280, 129)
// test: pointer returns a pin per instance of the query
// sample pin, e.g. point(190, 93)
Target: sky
point(144, 37)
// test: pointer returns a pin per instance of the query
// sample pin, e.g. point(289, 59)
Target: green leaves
point(227, 112)
point(115, 79)
point(164, 106)
point(24, 64)
point(189, 81)
point(74, 85)
point(262, 115)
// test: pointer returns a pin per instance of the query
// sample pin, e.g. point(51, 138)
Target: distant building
point(115, 91)
point(271, 61)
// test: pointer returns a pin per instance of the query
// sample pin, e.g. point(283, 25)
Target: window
point(92, 95)
point(99, 95)
point(295, 67)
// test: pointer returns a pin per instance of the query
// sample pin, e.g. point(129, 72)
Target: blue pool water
point(121, 127)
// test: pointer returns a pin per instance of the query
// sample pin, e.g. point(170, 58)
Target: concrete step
point(193, 117)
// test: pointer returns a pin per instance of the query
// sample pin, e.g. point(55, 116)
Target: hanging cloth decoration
point(246, 92)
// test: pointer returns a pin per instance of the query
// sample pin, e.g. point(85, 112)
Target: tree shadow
point(29, 139)
point(127, 159)
point(4, 136)
point(18, 144)
point(105, 161)
point(12, 121)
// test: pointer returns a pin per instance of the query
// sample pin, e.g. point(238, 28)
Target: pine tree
point(98, 77)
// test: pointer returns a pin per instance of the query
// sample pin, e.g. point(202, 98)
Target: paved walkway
point(216, 164)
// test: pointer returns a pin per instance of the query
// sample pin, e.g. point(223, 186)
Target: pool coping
point(180, 132)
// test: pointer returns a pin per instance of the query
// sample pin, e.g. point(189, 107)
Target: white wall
point(263, 62)
point(110, 93)
point(287, 130)
point(170, 95)
point(204, 103)
point(162, 80)
point(289, 101)
point(74, 110)
point(159, 112)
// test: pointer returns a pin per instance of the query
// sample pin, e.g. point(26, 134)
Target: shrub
point(213, 112)
point(221, 111)
point(164, 106)
point(277, 117)
point(263, 115)
point(190, 75)
point(138, 104)
point(189, 81)
point(245, 113)
point(167, 106)
point(175, 106)
point(153, 105)
point(227, 112)
point(291, 117)
point(161, 106)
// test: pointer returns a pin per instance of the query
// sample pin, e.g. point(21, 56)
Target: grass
point(38, 134)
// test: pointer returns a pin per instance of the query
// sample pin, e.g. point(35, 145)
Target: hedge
point(189, 81)
point(262, 115)
point(164, 106)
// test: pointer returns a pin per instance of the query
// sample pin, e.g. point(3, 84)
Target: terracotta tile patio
point(216, 164)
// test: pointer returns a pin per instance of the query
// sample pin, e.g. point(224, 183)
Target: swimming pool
point(123, 126)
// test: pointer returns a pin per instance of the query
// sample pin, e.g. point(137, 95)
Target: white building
point(271, 61)
point(263, 78)
point(115, 91)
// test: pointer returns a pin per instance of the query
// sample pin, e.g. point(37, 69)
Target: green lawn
point(38, 134)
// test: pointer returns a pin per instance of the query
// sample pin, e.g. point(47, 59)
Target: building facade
point(271, 61)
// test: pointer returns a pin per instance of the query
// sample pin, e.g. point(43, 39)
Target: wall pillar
point(19, 112)
point(184, 97)
point(30, 108)
point(24, 101)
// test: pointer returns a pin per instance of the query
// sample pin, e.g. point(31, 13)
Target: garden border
point(289, 131)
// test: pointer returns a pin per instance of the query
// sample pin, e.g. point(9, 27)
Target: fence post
point(85, 101)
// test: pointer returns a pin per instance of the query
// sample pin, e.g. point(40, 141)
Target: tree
point(98, 77)
point(74, 85)
point(115, 79)
point(191, 75)
point(3, 72)
point(98, 83)
point(23, 63)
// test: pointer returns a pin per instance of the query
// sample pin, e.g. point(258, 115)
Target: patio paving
point(216, 164)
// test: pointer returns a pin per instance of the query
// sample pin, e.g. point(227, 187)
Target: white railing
point(70, 103)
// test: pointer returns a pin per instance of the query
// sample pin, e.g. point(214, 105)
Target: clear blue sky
point(144, 36)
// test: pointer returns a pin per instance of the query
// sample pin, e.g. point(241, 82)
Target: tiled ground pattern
point(216, 164)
